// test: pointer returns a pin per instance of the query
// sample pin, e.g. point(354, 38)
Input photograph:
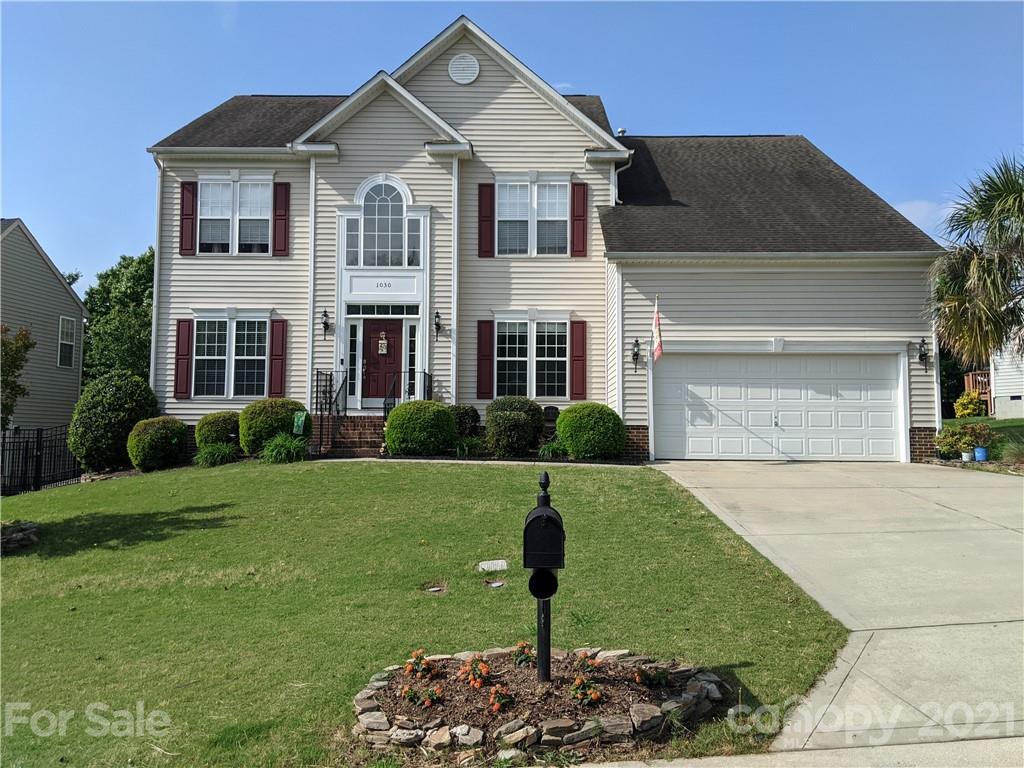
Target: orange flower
point(595, 695)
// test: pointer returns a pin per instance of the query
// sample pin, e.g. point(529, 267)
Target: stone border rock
point(702, 690)
point(17, 534)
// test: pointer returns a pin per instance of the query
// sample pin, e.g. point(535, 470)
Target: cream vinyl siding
point(513, 130)
point(806, 304)
point(274, 283)
point(1007, 372)
point(34, 297)
point(385, 137)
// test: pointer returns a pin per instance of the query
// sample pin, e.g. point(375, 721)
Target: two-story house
point(457, 229)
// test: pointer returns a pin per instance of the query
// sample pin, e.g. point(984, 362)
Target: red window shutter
point(578, 360)
point(485, 359)
point(183, 360)
point(282, 195)
point(485, 221)
point(278, 345)
point(578, 220)
point(187, 220)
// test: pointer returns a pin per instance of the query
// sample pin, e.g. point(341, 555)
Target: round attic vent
point(463, 68)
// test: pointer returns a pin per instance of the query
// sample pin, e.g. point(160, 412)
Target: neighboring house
point(1006, 385)
point(35, 295)
point(467, 232)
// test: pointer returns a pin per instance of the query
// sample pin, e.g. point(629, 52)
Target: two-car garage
point(791, 407)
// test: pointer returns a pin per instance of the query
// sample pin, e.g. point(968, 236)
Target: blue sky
point(914, 99)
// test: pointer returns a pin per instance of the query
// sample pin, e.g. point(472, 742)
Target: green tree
point(13, 355)
point(979, 282)
point(120, 306)
point(73, 277)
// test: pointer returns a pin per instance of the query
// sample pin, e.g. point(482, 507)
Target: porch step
point(356, 437)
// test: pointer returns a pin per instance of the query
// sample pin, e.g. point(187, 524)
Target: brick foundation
point(922, 444)
point(636, 442)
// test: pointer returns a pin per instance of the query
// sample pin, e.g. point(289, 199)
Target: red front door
point(382, 356)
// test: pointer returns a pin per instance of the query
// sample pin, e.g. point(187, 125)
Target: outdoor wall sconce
point(325, 322)
point(437, 324)
point(636, 354)
point(922, 353)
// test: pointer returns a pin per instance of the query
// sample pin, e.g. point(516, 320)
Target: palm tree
point(979, 281)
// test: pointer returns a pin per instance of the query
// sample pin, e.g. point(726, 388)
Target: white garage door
point(776, 406)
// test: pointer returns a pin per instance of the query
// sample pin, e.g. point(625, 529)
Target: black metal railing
point(31, 459)
point(407, 385)
point(330, 404)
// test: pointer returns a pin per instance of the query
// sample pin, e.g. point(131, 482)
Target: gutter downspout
point(310, 334)
point(455, 279)
point(629, 162)
point(156, 274)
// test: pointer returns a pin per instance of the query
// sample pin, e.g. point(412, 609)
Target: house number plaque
point(382, 344)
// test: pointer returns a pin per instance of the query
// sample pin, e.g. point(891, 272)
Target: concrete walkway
point(925, 564)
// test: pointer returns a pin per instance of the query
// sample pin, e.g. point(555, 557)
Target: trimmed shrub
point(157, 443)
point(216, 454)
point(591, 431)
point(948, 440)
point(283, 448)
point(553, 450)
point(104, 416)
point(510, 433)
point(969, 404)
point(524, 405)
point(217, 428)
point(263, 419)
point(420, 428)
point(467, 419)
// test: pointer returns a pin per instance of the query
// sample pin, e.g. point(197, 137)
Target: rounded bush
point(510, 433)
point(157, 443)
point(591, 431)
point(105, 414)
point(420, 428)
point(969, 404)
point(261, 420)
point(216, 454)
point(467, 419)
point(217, 427)
point(524, 405)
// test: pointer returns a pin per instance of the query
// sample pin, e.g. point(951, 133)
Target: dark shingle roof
point(253, 121)
point(273, 121)
point(691, 194)
point(592, 107)
point(5, 223)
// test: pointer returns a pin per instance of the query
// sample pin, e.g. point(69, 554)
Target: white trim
point(607, 154)
point(903, 414)
point(219, 151)
point(463, 26)
point(313, 148)
point(650, 402)
point(454, 322)
point(532, 180)
point(311, 287)
point(531, 317)
point(230, 316)
point(454, 149)
point(156, 276)
point(383, 178)
point(366, 93)
point(936, 373)
point(73, 342)
point(621, 334)
point(19, 224)
point(782, 345)
point(827, 258)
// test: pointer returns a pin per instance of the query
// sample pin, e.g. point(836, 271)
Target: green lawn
point(1007, 430)
point(251, 602)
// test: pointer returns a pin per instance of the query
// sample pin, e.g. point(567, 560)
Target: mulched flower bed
point(473, 705)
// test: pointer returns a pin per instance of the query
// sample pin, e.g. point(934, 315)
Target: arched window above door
point(384, 229)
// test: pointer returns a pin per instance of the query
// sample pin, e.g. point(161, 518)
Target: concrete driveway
point(925, 564)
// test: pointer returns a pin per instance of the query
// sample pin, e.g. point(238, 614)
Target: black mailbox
point(543, 535)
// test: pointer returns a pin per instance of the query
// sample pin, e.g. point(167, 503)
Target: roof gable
point(11, 225)
point(749, 194)
point(365, 94)
point(463, 27)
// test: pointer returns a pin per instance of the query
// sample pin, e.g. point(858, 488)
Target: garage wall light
point(636, 354)
point(922, 353)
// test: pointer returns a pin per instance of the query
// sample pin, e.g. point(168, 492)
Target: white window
point(551, 378)
point(230, 357)
point(512, 360)
point(254, 216)
point(383, 228)
point(215, 210)
point(532, 216)
point(513, 219)
point(66, 342)
point(250, 358)
point(211, 359)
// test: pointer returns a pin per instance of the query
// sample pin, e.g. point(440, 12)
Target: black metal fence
point(31, 459)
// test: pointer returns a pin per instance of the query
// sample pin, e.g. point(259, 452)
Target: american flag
point(656, 348)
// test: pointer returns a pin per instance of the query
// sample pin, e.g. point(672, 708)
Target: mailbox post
point(544, 552)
